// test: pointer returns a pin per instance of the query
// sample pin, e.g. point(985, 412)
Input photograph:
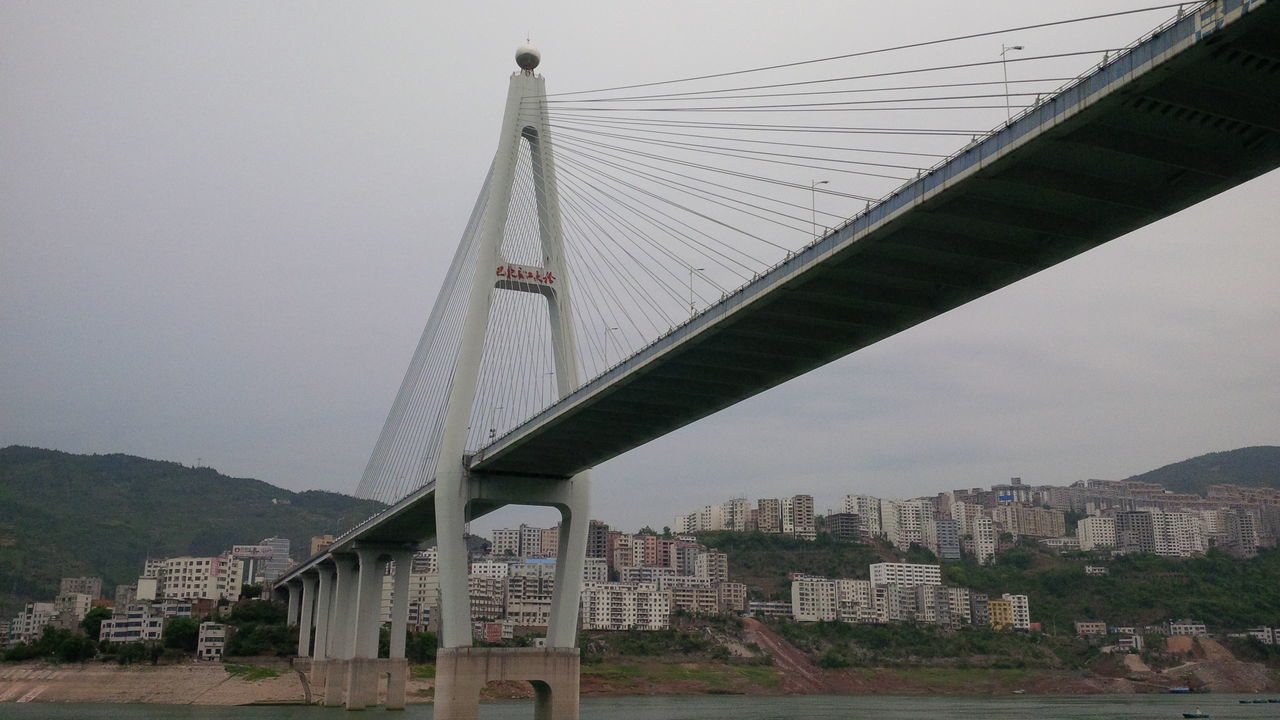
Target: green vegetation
point(1224, 591)
point(251, 673)
point(837, 645)
point(763, 560)
point(101, 515)
point(181, 633)
point(1251, 467)
point(55, 644)
point(260, 630)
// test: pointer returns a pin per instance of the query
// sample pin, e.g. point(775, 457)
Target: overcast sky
point(222, 227)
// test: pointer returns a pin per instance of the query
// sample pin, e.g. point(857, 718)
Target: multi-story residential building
point(124, 595)
point(1241, 533)
point(491, 568)
point(965, 513)
point(213, 578)
point(979, 609)
point(1096, 532)
point(1000, 610)
point(1020, 609)
point(91, 586)
point(530, 542)
point(813, 599)
point(906, 574)
point(426, 561)
point(551, 541)
point(984, 540)
point(932, 604)
point(904, 521)
point(1031, 521)
point(693, 597)
point(867, 509)
point(713, 566)
point(843, 526)
point(320, 543)
point(942, 537)
point(211, 641)
point(506, 541)
point(797, 517)
point(278, 562)
point(731, 597)
point(737, 515)
point(139, 622)
point(28, 625)
point(597, 539)
point(625, 606)
point(769, 515)
point(529, 599)
point(960, 601)
point(1189, 628)
point(1090, 627)
point(488, 597)
point(595, 570)
point(73, 606)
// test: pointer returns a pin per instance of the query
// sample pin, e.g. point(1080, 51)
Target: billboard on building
point(252, 551)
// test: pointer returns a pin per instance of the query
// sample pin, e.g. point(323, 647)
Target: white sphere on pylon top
point(528, 57)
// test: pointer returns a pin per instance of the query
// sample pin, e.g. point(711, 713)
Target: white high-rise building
point(625, 606)
point(867, 509)
point(813, 599)
point(1021, 611)
point(1096, 531)
point(906, 574)
point(984, 540)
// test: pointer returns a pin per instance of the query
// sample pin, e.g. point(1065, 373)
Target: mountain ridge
point(63, 514)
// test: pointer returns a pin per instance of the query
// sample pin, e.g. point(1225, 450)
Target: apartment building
point(906, 574)
point(625, 606)
point(984, 540)
point(1096, 532)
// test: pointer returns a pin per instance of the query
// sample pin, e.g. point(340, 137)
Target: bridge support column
point(342, 642)
point(398, 665)
point(306, 616)
point(295, 602)
point(461, 672)
point(324, 621)
point(362, 673)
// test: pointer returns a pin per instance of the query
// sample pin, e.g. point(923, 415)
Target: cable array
point(671, 198)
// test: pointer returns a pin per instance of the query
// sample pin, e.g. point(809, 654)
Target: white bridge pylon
point(459, 494)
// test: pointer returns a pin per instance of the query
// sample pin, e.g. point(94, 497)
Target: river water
point(737, 707)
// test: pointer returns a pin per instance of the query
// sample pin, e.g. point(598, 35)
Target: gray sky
point(222, 227)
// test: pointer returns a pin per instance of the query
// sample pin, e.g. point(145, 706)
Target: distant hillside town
point(1122, 516)
point(640, 581)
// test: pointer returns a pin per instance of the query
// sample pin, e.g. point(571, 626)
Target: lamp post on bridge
point(813, 203)
point(692, 270)
point(606, 346)
point(1004, 66)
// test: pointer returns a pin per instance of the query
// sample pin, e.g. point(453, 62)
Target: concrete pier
point(461, 672)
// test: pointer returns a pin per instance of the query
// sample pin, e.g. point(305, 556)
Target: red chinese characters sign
point(524, 273)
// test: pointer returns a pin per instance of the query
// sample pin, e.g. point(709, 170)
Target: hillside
point(63, 515)
point(1251, 467)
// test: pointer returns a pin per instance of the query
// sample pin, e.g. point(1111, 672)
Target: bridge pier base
point(335, 682)
point(317, 676)
point(461, 672)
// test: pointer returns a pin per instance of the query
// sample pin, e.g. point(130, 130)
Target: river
point(1128, 707)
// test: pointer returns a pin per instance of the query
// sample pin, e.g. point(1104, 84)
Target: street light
point(813, 203)
point(606, 345)
point(692, 270)
point(1004, 65)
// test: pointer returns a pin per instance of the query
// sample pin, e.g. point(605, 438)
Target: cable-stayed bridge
point(630, 266)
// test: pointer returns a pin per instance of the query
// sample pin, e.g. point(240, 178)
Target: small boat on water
point(1197, 714)
point(1019, 692)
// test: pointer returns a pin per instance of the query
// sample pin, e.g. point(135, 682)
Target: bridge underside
point(1203, 121)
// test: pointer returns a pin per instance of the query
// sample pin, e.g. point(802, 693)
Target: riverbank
point(213, 684)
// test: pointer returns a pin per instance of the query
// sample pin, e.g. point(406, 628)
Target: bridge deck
point(1175, 120)
point(1178, 118)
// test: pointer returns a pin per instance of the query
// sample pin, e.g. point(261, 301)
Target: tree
point(250, 592)
point(92, 622)
point(181, 633)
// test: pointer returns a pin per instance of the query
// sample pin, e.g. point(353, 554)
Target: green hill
point(102, 515)
point(1251, 467)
